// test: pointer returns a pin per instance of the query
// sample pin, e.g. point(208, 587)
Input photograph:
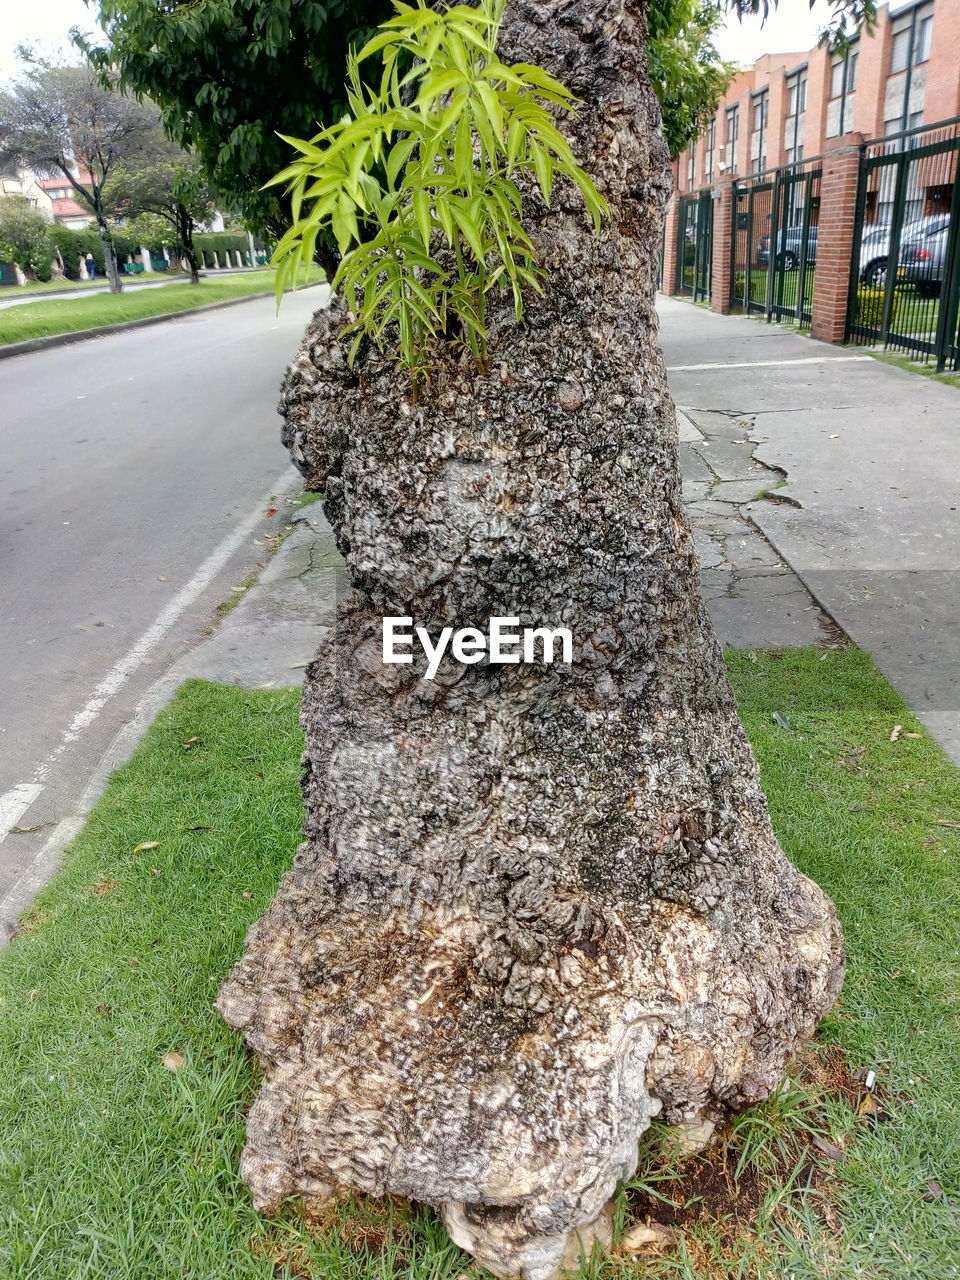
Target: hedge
point(870, 307)
point(74, 245)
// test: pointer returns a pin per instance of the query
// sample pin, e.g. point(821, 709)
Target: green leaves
point(417, 184)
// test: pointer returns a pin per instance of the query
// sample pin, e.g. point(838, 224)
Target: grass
point(114, 1167)
point(235, 596)
point(924, 368)
point(47, 286)
point(71, 315)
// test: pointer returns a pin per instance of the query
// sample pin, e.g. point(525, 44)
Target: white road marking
point(15, 802)
point(765, 364)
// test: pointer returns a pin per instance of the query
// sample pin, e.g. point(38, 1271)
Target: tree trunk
point(536, 904)
point(185, 229)
point(109, 253)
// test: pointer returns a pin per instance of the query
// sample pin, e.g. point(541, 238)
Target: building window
point(758, 139)
point(843, 73)
point(797, 93)
point(911, 46)
point(733, 133)
point(911, 40)
point(843, 84)
point(793, 124)
point(709, 146)
point(691, 167)
point(924, 38)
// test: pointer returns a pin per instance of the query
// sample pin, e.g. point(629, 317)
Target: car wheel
point(788, 260)
point(876, 273)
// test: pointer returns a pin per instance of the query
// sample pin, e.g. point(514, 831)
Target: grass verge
point(113, 1165)
point(72, 315)
point(926, 369)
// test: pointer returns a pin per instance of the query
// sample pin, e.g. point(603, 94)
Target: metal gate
point(775, 243)
point(695, 247)
point(905, 270)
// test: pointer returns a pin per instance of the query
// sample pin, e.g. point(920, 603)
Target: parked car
point(789, 244)
point(875, 245)
point(874, 250)
point(923, 253)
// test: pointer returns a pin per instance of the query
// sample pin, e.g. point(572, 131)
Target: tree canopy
point(169, 186)
point(23, 233)
point(69, 121)
point(685, 69)
point(229, 75)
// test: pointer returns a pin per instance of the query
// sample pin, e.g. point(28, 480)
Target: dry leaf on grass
point(146, 844)
point(646, 1235)
point(895, 732)
point(829, 1149)
point(173, 1061)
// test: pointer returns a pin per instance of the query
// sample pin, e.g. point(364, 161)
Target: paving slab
point(869, 517)
point(275, 630)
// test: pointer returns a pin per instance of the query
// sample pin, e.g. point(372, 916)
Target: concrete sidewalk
point(867, 511)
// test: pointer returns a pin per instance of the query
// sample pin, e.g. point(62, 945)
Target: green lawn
point(70, 315)
point(116, 1168)
point(45, 286)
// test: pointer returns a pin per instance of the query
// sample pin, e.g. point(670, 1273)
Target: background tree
point(24, 235)
point(66, 121)
point(228, 77)
point(169, 185)
point(536, 905)
point(685, 69)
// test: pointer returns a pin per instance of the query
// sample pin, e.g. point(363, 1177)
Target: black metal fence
point(695, 247)
point(774, 243)
point(905, 269)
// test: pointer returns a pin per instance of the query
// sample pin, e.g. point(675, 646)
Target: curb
point(104, 330)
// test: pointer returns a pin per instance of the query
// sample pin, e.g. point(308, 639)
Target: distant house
point(67, 211)
point(15, 182)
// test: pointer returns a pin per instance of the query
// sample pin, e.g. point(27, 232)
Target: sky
point(44, 23)
point(792, 27)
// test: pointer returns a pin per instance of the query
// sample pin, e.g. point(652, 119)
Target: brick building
point(843, 182)
point(791, 105)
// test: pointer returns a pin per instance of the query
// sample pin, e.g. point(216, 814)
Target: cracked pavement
point(754, 597)
point(867, 460)
point(821, 484)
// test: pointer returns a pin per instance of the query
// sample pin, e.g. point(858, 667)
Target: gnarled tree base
point(474, 990)
point(536, 904)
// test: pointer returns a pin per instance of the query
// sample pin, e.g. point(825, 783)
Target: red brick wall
point(838, 201)
point(942, 98)
point(818, 96)
point(873, 64)
point(670, 246)
point(720, 280)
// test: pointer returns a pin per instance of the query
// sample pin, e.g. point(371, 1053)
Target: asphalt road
point(136, 471)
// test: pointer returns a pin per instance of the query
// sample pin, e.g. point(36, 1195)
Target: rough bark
point(109, 253)
point(535, 905)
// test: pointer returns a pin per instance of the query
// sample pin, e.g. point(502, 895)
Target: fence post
point(671, 234)
point(836, 235)
point(724, 216)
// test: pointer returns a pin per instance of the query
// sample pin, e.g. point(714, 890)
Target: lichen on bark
point(535, 905)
